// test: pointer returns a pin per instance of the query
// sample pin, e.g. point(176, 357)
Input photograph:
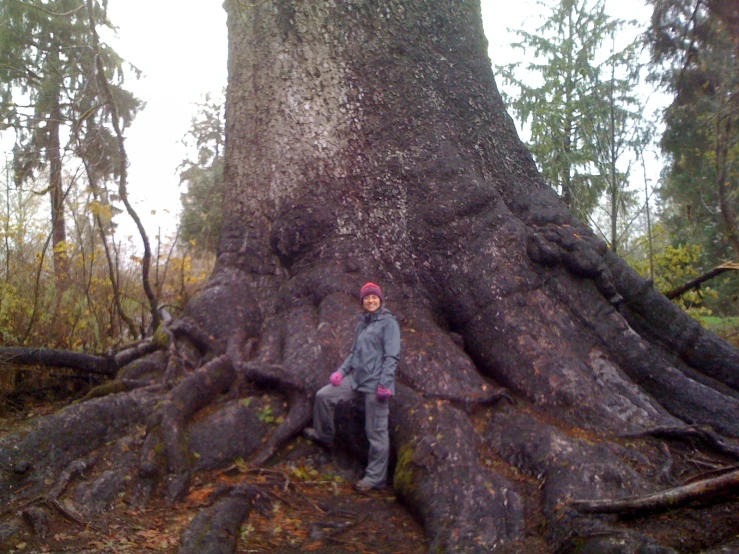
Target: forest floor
point(314, 509)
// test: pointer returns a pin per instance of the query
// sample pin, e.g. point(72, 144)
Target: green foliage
point(619, 134)
point(202, 173)
point(674, 265)
point(35, 311)
point(725, 327)
point(304, 473)
point(695, 60)
point(50, 90)
point(583, 114)
point(265, 415)
point(47, 70)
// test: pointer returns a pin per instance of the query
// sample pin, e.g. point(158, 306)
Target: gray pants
point(375, 425)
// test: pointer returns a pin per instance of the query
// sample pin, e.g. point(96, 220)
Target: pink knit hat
point(370, 288)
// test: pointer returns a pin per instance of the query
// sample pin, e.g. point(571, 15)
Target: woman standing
point(369, 370)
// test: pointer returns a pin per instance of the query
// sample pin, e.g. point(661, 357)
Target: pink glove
point(383, 393)
point(336, 378)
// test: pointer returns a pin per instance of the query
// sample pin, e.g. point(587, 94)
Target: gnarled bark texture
point(366, 140)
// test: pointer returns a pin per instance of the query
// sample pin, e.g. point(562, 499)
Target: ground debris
point(307, 510)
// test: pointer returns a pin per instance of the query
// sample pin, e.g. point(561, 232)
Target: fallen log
point(50, 357)
point(106, 365)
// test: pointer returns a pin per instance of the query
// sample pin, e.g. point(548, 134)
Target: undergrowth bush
point(78, 311)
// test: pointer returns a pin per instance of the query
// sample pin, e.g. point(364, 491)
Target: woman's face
point(371, 303)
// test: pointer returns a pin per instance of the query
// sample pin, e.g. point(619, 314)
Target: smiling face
point(371, 303)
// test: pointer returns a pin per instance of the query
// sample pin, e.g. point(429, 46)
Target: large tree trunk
point(367, 140)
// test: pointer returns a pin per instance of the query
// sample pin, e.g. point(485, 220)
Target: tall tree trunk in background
point(56, 191)
point(723, 162)
point(614, 185)
point(366, 140)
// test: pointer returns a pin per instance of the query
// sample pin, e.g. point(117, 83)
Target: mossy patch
point(160, 338)
point(404, 477)
point(113, 387)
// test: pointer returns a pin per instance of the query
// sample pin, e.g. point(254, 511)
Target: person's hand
point(336, 378)
point(383, 394)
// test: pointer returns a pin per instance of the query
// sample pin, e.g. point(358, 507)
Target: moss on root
point(113, 387)
point(160, 338)
point(404, 477)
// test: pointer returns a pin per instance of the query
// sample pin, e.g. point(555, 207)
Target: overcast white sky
point(181, 47)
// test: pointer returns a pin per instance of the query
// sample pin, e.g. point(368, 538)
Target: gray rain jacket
point(375, 352)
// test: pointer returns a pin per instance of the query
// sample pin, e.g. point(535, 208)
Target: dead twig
point(20, 490)
point(66, 512)
point(287, 482)
point(663, 500)
point(39, 498)
point(666, 471)
point(281, 499)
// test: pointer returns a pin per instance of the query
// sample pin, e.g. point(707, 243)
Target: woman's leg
point(324, 407)
point(375, 424)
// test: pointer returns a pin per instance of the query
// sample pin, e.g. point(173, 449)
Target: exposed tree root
point(188, 328)
point(65, 511)
point(707, 437)
point(464, 507)
point(117, 386)
point(468, 403)
point(564, 467)
point(683, 397)
point(274, 375)
point(428, 350)
point(168, 421)
point(135, 351)
point(463, 504)
point(215, 530)
point(107, 365)
point(662, 322)
point(99, 365)
point(611, 541)
point(77, 467)
point(38, 519)
point(298, 398)
point(298, 345)
point(712, 488)
point(32, 460)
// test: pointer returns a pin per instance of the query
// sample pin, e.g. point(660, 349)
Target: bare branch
point(123, 170)
point(698, 281)
point(47, 11)
point(667, 499)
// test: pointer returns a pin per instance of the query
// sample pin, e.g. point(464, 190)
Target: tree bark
point(366, 141)
point(369, 142)
point(56, 189)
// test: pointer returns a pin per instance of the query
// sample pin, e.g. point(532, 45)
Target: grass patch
point(715, 321)
point(725, 327)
